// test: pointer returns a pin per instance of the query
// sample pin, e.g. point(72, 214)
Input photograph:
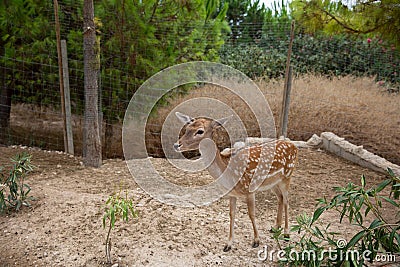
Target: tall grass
point(358, 109)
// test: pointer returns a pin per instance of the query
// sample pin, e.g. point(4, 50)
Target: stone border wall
point(340, 147)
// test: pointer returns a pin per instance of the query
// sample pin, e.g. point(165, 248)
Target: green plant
point(338, 55)
point(353, 202)
point(117, 207)
point(13, 190)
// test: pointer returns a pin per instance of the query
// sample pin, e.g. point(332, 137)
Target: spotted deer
point(257, 168)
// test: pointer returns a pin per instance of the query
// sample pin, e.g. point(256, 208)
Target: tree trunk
point(91, 130)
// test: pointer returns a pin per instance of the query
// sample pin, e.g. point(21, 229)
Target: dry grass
point(43, 127)
point(354, 108)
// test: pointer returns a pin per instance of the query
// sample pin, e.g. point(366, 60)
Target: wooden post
point(285, 106)
point(60, 73)
point(287, 103)
point(67, 101)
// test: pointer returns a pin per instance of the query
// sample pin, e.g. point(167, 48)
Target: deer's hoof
point(286, 237)
point(275, 229)
point(255, 244)
point(227, 248)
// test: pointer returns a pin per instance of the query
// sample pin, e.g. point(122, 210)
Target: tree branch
point(154, 11)
point(347, 27)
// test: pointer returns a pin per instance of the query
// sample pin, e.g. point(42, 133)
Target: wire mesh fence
point(137, 41)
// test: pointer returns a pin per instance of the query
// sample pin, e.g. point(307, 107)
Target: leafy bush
point(254, 61)
point(342, 55)
point(353, 203)
point(336, 55)
point(13, 190)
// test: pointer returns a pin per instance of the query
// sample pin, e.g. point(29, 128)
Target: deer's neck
point(211, 156)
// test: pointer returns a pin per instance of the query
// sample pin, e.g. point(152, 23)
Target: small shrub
point(117, 207)
point(353, 203)
point(13, 190)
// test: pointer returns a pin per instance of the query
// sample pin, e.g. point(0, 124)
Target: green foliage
point(342, 55)
point(250, 21)
point(352, 203)
point(320, 46)
point(27, 42)
point(117, 208)
point(337, 55)
point(360, 17)
point(246, 19)
point(254, 61)
point(138, 39)
point(149, 36)
point(13, 189)
point(313, 16)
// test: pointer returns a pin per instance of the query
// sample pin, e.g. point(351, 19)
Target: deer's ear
point(222, 121)
point(183, 118)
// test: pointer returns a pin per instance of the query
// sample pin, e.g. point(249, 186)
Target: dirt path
point(64, 225)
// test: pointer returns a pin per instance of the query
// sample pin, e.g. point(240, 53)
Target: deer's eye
point(200, 131)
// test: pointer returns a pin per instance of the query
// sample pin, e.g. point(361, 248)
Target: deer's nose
point(177, 146)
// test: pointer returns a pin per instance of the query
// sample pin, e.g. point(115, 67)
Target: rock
point(314, 141)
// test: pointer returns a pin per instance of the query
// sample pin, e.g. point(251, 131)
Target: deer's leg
point(285, 193)
point(232, 211)
point(251, 206)
point(279, 196)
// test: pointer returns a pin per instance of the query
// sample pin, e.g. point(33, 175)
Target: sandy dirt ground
point(63, 227)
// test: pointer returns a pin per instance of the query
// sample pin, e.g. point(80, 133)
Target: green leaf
point(391, 173)
point(351, 213)
point(391, 239)
point(112, 217)
point(321, 201)
point(367, 210)
point(397, 235)
point(360, 204)
point(382, 185)
point(318, 232)
point(391, 201)
point(355, 239)
point(343, 212)
point(374, 224)
point(295, 228)
point(359, 218)
point(317, 214)
point(363, 180)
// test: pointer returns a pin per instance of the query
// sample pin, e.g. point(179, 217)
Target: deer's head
point(197, 129)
